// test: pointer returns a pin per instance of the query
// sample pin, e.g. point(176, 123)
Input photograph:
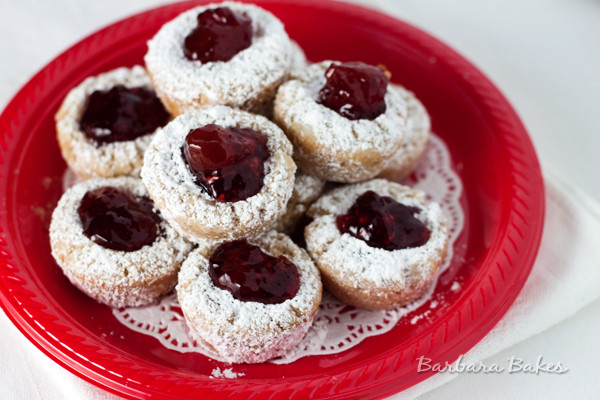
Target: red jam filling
point(383, 222)
point(122, 114)
point(228, 163)
point(118, 220)
point(355, 90)
point(220, 35)
point(252, 275)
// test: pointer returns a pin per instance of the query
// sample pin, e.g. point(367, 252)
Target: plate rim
point(516, 137)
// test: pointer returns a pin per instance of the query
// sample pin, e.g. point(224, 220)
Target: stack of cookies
point(196, 168)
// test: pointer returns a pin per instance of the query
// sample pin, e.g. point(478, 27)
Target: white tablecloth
point(544, 56)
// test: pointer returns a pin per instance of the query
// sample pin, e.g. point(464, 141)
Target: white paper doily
point(337, 327)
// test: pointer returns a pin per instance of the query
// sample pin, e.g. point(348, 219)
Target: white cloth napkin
point(565, 278)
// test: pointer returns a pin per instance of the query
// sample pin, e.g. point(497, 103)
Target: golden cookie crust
point(418, 127)
point(328, 145)
point(307, 189)
point(116, 278)
point(248, 81)
point(83, 155)
point(192, 212)
point(368, 277)
point(248, 332)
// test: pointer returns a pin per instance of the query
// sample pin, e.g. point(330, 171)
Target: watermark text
point(513, 365)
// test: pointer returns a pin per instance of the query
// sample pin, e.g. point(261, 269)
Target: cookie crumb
point(455, 287)
point(226, 373)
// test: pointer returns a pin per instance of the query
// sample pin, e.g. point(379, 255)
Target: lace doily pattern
point(337, 326)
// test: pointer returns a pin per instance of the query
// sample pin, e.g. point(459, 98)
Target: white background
point(543, 54)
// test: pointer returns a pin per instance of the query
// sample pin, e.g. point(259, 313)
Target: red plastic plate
point(503, 204)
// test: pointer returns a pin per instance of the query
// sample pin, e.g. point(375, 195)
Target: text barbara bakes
point(513, 365)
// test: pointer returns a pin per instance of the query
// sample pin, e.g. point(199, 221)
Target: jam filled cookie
point(345, 120)
point(112, 244)
point(298, 59)
point(218, 173)
point(230, 53)
point(306, 190)
point(105, 124)
point(378, 244)
point(418, 126)
point(250, 300)
point(298, 63)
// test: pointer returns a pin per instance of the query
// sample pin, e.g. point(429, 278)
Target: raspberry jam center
point(118, 220)
point(355, 90)
point(252, 275)
point(219, 35)
point(228, 163)
point(383, 222)
point(122, 114)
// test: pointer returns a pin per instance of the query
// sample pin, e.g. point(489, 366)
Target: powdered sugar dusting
point(248, 331)
point(297, 102)
point(418, 126)
point(298, 59)
point(363, 264)
point(86, 157)
point(190, 210)
point(336, 327)
point(306, 189)
point(261, 66)
point(226, 373)
point(455, 286)
point(110, 276)
point(418, 123)
point(329, 145)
